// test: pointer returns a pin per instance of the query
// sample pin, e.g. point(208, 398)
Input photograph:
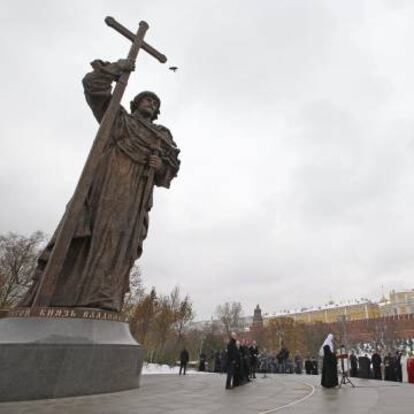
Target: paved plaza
point(205, 394)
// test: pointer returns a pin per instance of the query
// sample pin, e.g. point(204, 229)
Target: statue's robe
point(108, 239)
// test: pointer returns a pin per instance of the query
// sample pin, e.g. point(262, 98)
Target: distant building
point(399, 303)
point(243, 325)
point(257, 318)
point(358, 310)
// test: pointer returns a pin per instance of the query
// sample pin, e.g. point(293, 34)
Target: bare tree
point(285, 331)
point(18, 259)
point(212, 338)
point(382, 331)
point(230, 314)
point(314, 335)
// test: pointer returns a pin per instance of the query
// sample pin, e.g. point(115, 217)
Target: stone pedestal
point(78, 352)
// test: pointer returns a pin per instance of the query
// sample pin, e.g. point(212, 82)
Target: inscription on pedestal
point(67, 313)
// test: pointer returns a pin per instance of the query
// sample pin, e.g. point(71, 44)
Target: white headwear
point(328, 341)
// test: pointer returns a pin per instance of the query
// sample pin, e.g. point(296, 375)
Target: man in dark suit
point(232, 357)
point(184, 357)
point(254, 358)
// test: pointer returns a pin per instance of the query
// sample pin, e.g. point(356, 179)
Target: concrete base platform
point(205, 394)
point(49, 358)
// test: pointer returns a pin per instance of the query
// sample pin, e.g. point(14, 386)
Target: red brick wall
point(392, 327)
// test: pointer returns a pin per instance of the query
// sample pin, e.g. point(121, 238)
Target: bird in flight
point(173, 68)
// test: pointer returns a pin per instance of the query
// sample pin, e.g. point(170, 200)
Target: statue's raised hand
point(125, 65)
point(118, 68)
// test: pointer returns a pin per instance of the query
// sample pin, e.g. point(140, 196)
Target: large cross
point(47, 284)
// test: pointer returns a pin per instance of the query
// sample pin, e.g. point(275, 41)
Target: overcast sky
point(296, 124)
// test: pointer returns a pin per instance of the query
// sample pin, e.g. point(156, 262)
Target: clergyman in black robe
point(354, 364)
point(329, 368)
point(389, 372)
point(376, 365)
point(364, 367)
point(398, 366)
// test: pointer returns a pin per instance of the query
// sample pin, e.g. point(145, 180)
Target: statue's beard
point(146, 113)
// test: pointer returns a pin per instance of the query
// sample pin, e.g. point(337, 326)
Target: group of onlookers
point(242, 362)
point(383, 366)
point(282, 363)
point(311, 366)
point(398, 367)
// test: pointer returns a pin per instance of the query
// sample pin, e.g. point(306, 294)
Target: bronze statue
point(112, 219)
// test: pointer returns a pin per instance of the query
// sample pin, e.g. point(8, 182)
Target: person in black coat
point(254, 358)
point(217, 362)
point(389, 372)
point(202, 363)
point(184, 357)
point(298, 363)
point(245, 354)
point(398, 367)
point(223, 356)
point(282, 358)
point(376, 365)
point(329, 368)
point(232, 357)
point(354, 364)
point(314, 365)
point(364, 367)
point(308, 365)
point(238, 367)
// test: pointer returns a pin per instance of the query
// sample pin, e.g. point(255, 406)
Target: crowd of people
point(385, 366)
point(241, 360)
point(282, 363)
point(388, 367)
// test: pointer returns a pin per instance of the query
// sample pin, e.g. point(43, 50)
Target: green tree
point(184, 315)
point(143, 315)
